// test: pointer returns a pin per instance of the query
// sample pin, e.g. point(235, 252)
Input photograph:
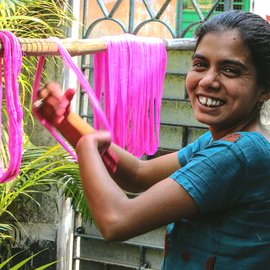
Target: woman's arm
point(132, 174)
point(137, 175)
point(117, 216)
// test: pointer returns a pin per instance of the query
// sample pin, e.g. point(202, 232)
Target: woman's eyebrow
point(197, 55)
point(235, 63)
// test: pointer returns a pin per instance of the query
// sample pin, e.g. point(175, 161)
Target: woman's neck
point(251, 123)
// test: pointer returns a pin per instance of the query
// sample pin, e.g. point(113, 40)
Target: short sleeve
point(186, 153)
point(210, 175)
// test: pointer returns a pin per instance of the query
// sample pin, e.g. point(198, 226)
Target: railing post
point(228, 4)
point(179, 18)
point(131, 16)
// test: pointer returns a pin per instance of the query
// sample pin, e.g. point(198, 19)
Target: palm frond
point(24, 262)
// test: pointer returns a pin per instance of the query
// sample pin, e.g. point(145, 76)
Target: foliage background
point(44, 169)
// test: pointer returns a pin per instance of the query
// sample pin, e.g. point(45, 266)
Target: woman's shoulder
point(244, 144)
point(252, 146)
point(259, 136)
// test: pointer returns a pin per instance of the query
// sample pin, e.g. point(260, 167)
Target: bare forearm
point(135, 175)
point(105, 198)
point(132, 174)
point(129, 172)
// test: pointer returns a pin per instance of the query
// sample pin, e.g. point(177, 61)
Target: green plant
point(41, 166)
point(34, 19)
point(24, 262)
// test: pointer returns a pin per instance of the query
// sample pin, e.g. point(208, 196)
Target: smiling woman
point(215, 192)
point(228, 82)
point(221, 83)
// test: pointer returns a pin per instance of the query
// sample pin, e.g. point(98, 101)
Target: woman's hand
point(53, 105)
point(100, 140)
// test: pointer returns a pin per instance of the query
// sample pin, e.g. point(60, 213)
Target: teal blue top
point(229, 179)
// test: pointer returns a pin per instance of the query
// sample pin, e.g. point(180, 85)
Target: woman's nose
point(210, 80)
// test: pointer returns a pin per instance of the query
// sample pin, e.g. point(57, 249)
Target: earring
point(259, 105)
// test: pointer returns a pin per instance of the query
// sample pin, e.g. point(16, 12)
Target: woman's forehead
point(224, 44)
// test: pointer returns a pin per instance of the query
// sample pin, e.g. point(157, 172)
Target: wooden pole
point(38, 47)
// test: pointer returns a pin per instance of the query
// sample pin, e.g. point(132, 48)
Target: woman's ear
point(264, 97)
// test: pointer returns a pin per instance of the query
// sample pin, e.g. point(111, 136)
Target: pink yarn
point(12, 62)
point(128, 78)
point(43, 121)
point(85, 85)
point(132, 94)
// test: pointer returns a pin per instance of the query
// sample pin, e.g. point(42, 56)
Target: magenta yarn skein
point(128, 81)
point(12, 63)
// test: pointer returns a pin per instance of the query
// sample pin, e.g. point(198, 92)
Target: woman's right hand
point(100, 140)
point(53, 105)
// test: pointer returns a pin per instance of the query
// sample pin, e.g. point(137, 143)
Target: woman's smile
point(210, 102)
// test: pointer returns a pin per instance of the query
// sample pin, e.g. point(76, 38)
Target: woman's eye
point(199, 64)
point(231, 71)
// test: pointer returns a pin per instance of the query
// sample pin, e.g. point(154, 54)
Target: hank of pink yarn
point(67, 59)
point(128, 80)
point(12, 63)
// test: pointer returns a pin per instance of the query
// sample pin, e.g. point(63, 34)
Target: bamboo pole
point(38, 47)
point(46, 47)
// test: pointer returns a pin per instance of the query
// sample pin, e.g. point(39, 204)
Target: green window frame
point(190, 15)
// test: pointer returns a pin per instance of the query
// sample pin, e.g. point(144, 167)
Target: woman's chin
point(206, 120)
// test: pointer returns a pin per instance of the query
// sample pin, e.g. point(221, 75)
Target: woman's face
point(221, 83)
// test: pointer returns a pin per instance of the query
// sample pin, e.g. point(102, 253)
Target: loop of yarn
point(12, 63)
point(129, 77)
point(84, 84)
point(43, 121)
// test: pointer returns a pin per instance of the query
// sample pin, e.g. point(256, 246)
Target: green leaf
point(23, 262)
point(46, 265)
point(9, 259)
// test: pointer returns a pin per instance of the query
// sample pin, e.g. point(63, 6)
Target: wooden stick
point(38, 47)
point(74, 127)
point(77, 122)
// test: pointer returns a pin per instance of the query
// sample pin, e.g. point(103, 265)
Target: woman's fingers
point(69, 94)
point(53, 105)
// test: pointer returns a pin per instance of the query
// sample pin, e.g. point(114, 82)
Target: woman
point(214, 193)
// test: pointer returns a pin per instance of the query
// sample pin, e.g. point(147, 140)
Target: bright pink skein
point(128, 81)
point(12, 62)
point(67, 59)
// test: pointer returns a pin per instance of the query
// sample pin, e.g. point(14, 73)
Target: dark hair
point(254, 31)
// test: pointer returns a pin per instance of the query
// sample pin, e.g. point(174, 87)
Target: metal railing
point(202, 9)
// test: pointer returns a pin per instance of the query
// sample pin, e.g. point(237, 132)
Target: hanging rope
point(12, 63)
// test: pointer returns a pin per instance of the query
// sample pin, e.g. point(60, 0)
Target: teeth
point(203, 100)
point(210, 102)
